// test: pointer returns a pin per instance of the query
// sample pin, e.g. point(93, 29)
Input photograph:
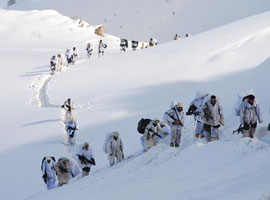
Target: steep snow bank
point(221, 170)
point(115, 92)
point(29, 132)
point(43, 30)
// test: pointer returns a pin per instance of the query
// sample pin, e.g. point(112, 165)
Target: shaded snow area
point(161, 18)
point(114, 91)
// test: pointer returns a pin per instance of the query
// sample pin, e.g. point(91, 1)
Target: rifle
point(84, 160)
point(207, 113)
point(70, 128)
point(123, 156)
point(157, 135)
point(172, 117)
point(44, 177)
point(239, 130)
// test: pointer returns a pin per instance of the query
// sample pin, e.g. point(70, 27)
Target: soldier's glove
point(222, 122)
point(93, 161)
point(44, 177)
point(189, 113)
point(217, 126)
point(246, 126)
point(176, 122)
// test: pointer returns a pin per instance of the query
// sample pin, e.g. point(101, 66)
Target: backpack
point(241, 97)
point(44, 158)
point(142, 125)
point(106, 141)
point(126, 42)
point(135, 44)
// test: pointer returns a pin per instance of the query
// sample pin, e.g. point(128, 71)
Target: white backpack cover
point(106, 142)
point(239, 101)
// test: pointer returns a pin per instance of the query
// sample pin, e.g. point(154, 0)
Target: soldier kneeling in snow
point(113, 146)
point(86, 158)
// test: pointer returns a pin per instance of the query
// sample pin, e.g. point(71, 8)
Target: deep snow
point(113, 92)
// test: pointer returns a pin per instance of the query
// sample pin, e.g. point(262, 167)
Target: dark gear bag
point(142, 125)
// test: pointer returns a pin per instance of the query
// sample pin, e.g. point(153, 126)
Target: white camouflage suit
point(249, 115)
point(48, 168)
point(63, 170)
point(150, 135)
point(59, 63)
point(212, 116)
point(70, 129)
point(176, 130)
point(69, 107)
point(101, 48)
point(197, 102)
point(88, 154)
point(75, 53)
point(115, 149)
point(53, 63)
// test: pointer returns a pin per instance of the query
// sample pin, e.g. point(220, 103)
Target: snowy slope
point(161, 18)
point(27, 131)
point(113, 93)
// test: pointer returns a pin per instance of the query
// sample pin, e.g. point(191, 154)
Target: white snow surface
point(161, 18)
point(113, 92)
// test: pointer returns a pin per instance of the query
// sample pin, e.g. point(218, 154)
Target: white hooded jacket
point(88, 154)
point(48, 168)
point(212, 115)
point(114, 146)
point(69, 54)
point(75, 53)
point(101, 47)
point(70, 127)
point(173, 115)
point(250, 114)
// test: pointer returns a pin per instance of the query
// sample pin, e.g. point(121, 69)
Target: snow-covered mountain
point(113, 92)
point(161, 18)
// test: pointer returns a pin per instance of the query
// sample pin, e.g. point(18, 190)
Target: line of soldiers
point(208, 115)
point(135, 44)
point(101, 49)
point(177, 36)
point(64, 169)
point(57, 62)
point(152, 42)
point(207, 112)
